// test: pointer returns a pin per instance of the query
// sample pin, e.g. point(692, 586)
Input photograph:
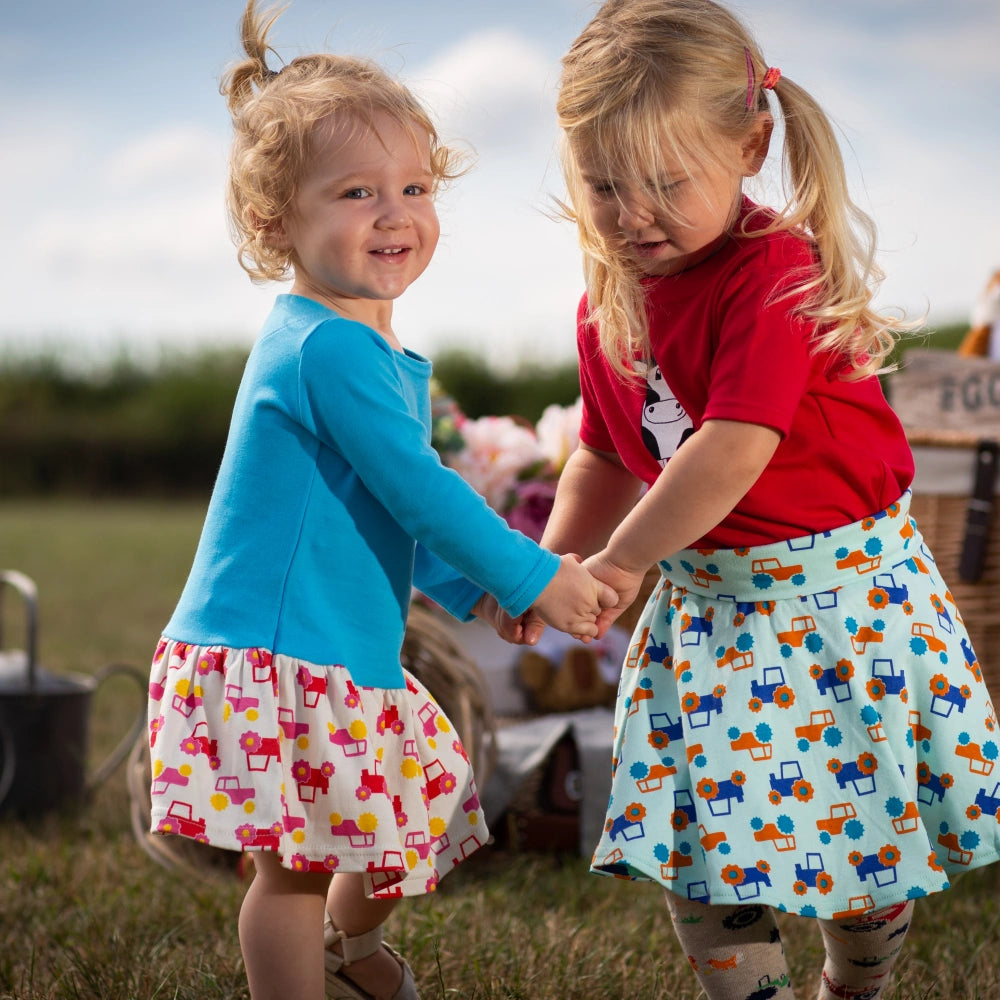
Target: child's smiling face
point(362, 224)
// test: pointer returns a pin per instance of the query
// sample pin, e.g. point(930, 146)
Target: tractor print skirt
point(258, 752)
point(804, 725)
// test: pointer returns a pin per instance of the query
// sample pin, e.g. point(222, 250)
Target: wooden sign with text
point(939, 390)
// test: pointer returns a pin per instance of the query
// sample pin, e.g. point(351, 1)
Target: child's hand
point(626, 583)
point(573, 600)
point(523, 631)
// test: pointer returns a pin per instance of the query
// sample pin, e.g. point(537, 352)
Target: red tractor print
point(180, 820)
point(439, 781)
point(198, 743)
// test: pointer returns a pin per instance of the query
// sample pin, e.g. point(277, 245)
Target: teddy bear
point(561, 674)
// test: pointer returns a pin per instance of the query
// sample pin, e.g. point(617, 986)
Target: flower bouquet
point(514, 464)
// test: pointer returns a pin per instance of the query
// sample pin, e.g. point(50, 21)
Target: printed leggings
point(736, 951)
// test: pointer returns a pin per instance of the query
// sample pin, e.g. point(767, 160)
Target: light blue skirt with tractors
point(804, 725)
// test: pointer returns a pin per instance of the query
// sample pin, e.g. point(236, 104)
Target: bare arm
point(703, 481)
point(595, 494)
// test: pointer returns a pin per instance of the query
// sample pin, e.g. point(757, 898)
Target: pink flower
point(496, 452)
point(558, 432)
point(531, 507)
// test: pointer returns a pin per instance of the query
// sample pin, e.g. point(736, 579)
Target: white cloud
point(181, 152)
point(493, 88)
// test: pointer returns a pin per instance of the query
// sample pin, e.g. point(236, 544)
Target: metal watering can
point(44, 721)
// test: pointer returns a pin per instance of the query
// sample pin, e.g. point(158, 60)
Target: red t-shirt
point(724, 349)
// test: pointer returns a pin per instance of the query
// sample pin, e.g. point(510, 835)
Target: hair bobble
point(771, 77)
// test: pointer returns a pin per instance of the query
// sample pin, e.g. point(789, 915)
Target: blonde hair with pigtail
point(648, 76)
point(275, 113)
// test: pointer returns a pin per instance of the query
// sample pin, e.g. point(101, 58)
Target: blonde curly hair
point(274, 117)
point(679, 75)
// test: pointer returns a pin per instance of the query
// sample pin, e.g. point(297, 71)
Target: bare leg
point(354, 913)
point(281, 932)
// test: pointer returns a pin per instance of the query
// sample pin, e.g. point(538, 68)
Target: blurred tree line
point(135, 430)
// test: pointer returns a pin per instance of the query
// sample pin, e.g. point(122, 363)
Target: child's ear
point(276, 237)
point(757, 143)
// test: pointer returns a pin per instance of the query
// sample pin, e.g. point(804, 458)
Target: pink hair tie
point(771, 77)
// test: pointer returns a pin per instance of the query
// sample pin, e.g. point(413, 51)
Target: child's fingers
point(607, 596)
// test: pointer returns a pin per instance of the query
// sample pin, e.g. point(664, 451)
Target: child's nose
point(634, 212)
point(394, 214)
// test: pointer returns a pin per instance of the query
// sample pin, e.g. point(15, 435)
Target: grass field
point(85, 914)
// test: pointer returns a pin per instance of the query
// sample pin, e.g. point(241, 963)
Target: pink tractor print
point(198, 743)
point(181, 820)
point(349, 828)
point(238, 702)
point(439, 781)
point(428, 714)
point(229, 784)
point(169, 777)
point(185, 699)
point(260, 750)
point(313, 688)
point(309, 780)
point(290, 823)
point(292, 729)
point(472, 803)
point(352, 745)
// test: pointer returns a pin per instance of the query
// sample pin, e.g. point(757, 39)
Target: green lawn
point(84, 913)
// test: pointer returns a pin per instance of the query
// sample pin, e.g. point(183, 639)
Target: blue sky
point(115, 140)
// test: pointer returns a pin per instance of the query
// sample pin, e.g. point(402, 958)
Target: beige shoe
point(341, 987)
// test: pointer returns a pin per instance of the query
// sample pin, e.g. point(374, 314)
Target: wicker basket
point(941, 513)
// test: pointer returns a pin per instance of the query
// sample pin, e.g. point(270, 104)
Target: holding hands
point(574, 601)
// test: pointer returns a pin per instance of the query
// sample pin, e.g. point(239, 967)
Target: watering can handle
point(124, 747)
point(29, 592)
point(9, 767)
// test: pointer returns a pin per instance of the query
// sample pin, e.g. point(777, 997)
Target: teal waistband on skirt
point(804, 724)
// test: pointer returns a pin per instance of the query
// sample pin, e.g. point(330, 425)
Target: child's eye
point(414, 189)
point(666, 188)
point(603, 189)
point(356, 193)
